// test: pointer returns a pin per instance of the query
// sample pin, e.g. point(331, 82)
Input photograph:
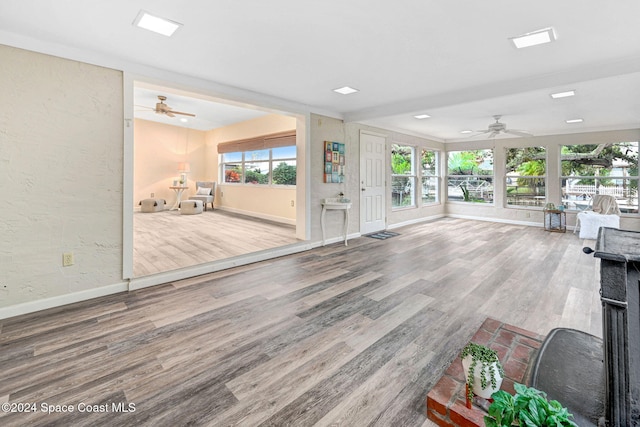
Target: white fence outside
point(611, 190)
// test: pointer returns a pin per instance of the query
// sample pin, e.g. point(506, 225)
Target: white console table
point(179, 190)
point(336, 204)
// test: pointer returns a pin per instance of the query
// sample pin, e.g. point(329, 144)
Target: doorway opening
point(175, 146)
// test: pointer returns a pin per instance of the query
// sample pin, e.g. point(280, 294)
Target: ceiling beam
point(504, 88)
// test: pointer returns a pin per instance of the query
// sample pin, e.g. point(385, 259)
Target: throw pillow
point(202, 191)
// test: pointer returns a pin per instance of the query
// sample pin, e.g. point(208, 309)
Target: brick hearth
point(446, 403)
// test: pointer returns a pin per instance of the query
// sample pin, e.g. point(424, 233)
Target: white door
point(372, 183)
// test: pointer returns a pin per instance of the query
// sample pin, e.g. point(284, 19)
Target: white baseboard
point(499, 220)
point(211, 267)
point(43, 304)
point(415, 221)
point(339, 239)
point(273, 218)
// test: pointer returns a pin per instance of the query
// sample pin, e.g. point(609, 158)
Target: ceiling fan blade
point(183, 114)
point(493, 134)
point(169, 113)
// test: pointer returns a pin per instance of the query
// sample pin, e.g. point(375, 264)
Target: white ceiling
point(208, 114)
point(449, 59)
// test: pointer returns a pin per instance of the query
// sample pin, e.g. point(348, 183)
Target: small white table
point(337, 204)
point(179, 190)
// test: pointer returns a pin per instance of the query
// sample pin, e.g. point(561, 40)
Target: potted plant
point(529, 407)
point(482, 370)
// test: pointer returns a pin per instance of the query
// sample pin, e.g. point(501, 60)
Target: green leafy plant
point(529, 407)
point(488, 359)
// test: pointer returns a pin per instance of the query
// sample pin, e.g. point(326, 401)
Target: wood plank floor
point(165, 241)
point(336, 336)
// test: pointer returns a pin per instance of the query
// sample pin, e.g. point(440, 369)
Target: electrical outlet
point(292, 203)
point(67, 259)
point(153, 195)
point(527, 215)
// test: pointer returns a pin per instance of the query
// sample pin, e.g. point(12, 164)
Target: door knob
point(363, 189)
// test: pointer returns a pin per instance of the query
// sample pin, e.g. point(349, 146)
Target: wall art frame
point(334, 162)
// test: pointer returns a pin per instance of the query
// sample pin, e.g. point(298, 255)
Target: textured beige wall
point(329, 129)
point(61, 157)
point(158, 148)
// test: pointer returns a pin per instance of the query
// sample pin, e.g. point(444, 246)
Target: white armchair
point(603, 211)
point(205, 192)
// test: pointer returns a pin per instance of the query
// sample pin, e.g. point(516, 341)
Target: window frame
point(435, 177)
point(243, 167)
point(412, 178)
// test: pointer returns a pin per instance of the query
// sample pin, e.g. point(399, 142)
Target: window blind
point(274, 140)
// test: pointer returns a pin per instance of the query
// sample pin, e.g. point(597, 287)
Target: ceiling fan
point(494, 129)
point(162, 108)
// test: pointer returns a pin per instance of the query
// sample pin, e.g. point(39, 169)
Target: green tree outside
point(284, 174)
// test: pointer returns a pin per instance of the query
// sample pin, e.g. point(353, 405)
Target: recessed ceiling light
point(422, 116)
point(184, 120)
point(346, 90)
point(574, 121)
point(156, 24)
point(563, 94)
point(466, 131)
point(546, 35)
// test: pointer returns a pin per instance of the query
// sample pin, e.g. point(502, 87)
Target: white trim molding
point(43, 304)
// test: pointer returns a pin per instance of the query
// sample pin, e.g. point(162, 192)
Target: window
point(470, 176)
point(283, 166)
point(608, 168)
point(276, 166)
point(429, 176)
point(526, 176)
point(403, 176)
point(232, 167)
point(263, 160)
point(256, 167)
